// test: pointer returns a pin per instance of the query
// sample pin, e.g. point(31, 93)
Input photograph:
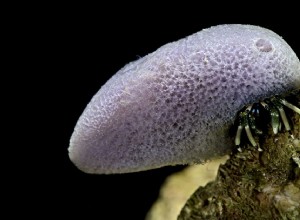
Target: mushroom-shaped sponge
point(175, 105)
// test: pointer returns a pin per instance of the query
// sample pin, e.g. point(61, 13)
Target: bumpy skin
point(175, 105)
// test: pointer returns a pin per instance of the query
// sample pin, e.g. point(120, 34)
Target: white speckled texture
point(175, 105)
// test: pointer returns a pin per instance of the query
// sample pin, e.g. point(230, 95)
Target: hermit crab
point(248, 117)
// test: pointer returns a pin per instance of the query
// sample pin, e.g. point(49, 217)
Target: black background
point(80, 48)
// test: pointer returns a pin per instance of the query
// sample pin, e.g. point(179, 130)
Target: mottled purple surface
point(175, 105)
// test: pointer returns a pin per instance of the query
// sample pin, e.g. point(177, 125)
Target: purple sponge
point(175, 105)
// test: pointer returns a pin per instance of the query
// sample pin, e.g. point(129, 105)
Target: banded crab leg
point(289, 105)
point(274, 114)
point(243, 123)
point(279, 106)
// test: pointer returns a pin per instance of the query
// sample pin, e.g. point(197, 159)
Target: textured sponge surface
point(175, 105)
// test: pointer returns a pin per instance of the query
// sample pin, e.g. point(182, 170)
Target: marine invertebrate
point(247, 118)
point(175, 105)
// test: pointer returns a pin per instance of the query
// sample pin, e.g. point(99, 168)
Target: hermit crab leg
point(289, 105)
point(278, 105)
point(237, 140)
point(284, 119)
point(250, 136)
point(275, 122)
point(243, 123)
